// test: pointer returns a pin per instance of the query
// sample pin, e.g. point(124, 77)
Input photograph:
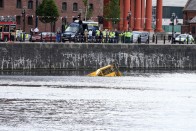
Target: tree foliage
point(48, 11)
point(88, 11)
point(112, 11)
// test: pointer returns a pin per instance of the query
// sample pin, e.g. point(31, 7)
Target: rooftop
point(190, 5)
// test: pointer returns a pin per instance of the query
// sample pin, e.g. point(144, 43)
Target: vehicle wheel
point(63, 40)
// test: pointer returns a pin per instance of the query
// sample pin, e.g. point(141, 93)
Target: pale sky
point(172, 2)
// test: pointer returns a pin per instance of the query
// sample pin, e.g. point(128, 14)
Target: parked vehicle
point(44, 36)
point(74, 29)
point(143, 34)
point(184, 38)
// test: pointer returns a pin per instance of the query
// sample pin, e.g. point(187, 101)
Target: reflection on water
point(137, 101)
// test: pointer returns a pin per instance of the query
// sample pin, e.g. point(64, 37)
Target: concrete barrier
point(76, 56)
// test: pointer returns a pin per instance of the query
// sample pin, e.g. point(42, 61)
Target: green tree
point(88, 11)
point(48, 12)
point(112, 12)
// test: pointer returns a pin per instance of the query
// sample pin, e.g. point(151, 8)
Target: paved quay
point(160, 42)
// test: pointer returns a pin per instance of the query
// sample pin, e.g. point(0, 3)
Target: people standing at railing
point(85, 35)
point(58, 36)
point(128, 35)
point(104, 33)
point(97, 36)
point(90, 35)
point(122, 35)
point(116, 36)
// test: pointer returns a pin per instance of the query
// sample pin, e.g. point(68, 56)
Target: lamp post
point(24, 22)
point(128, 19)
point(36, 18)
point(172, 19)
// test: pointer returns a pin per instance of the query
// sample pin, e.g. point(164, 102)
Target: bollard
point(153, 38)
point(24, 35)
point(41, 38)
point(195, 40)
point(51, 37)
point(156, 39)
point(187, 40)
point(60, 38)
point(180, 40)
point(31, 37)
point(164, 39)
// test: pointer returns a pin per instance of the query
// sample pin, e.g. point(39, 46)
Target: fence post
point(156, 39)
point(50, 37)
point(153, 37)
point(41, 37)
point(164, 39)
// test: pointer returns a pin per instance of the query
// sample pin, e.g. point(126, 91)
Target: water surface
point(136, 101)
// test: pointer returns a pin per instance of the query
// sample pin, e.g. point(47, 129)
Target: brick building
point(24, 12)
point(189, 18)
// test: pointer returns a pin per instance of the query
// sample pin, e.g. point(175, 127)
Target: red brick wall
point(11, 10)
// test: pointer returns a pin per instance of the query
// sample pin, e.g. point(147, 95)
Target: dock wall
point(76, 56)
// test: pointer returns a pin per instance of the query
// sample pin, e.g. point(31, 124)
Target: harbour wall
point(82, 56)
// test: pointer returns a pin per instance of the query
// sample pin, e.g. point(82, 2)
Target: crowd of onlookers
point(102, 36)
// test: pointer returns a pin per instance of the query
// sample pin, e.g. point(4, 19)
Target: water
point(137, 101)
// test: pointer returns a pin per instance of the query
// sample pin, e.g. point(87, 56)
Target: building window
point(75, 6)
point(30, 4)
point(18, 4)
point(1, 3)
point(30, 20)
point(91, 6)
point(64, 6)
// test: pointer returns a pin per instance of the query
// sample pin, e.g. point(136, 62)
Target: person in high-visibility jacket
point(111, 36)
point(122, 36)
point(26, 36)
point(104, 33)
point(97, 35)
point(128, 35)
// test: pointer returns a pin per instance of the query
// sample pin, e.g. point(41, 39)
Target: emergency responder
point(128, 35)
point(122, 36)
point(97, 36)
point(85, 35)
point(111, 36)
point(104, 33)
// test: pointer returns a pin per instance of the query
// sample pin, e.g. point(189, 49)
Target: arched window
point(75, 6)
point(64, 6)
point(18, 4)
point(1, 3)
point(30, 4)
point(91, 6)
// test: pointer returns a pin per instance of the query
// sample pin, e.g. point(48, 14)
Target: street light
point(172, 19)
point(128, 19)
point(23, 14)
point(36, 18)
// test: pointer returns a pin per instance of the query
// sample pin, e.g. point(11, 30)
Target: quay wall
point(82, 56)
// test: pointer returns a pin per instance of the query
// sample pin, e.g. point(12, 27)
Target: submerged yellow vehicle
point(109, 70)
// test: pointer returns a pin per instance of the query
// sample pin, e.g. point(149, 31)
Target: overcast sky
point(172, 2)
